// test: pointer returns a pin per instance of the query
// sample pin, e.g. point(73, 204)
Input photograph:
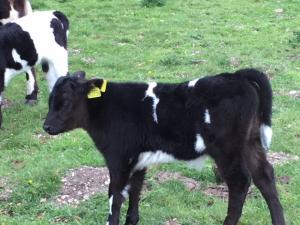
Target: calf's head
point(68, 103)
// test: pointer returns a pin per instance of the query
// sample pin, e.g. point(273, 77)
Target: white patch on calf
point(125, 192)
point(150, 93)
point(17, 58)
point(148, 158)
point(265, 136)
point(197, 163)
point(207, 117)
point(193, 83)
point(111, 200)
point(199, 144)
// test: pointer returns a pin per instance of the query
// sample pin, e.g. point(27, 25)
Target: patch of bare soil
point(294, 94)
point(43, 137)
point(5, 189)
point(279, 158)
point(82, 183)
point(6, 103)
point(172, 222)
point(189, 183)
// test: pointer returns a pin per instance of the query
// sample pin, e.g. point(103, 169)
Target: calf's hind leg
point(237, 178)
point(1, 93)
point(262, 174)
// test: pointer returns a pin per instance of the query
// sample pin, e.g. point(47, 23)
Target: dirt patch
point(6, 189)
point(294, 94)
point(82, 183)
point(189, 183)
point(6, 103)
point(279, 158)
point(172, 222)
point(43, 137)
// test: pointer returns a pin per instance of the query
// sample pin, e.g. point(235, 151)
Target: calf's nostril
point(46, 128)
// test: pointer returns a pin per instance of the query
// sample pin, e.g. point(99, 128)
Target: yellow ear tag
point(103, 87)
point(94, 93)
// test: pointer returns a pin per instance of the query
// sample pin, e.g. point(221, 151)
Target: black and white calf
point(9, 11)
point(134, 125)
point(40, 37)
point(13, 9)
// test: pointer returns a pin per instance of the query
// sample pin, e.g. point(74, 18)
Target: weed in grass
point(153, 3)
point(295, 40)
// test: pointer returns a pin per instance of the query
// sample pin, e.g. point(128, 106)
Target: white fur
point(266, 136)
point(192, 83)
point(199, 144)
point(125, 192)
point(197, 163)
point(148, 158)
point(150, 93)
point(111, 200)
point(207, 117)
point(28, 8)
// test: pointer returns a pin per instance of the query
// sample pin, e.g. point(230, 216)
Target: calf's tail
point(261, 83)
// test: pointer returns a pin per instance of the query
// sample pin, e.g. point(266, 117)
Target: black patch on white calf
point(19, 5)
point(60, 27)
point(45, 67)
point(13, 37)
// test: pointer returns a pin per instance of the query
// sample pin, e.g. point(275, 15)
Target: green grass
point(122, 40)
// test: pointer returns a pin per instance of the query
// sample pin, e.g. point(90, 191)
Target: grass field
point(121, 40)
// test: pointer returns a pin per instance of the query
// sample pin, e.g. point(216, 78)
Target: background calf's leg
point(32, 88)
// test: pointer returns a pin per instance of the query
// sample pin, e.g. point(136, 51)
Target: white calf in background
point(40, 37)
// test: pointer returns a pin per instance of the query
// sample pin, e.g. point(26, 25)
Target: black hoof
point(31, 102)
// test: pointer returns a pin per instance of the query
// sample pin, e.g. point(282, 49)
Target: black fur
point(60, 32)
point(122, 125)
point(4, 9)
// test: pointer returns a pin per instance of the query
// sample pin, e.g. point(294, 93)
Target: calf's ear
point(79, 74)
point(95, 88)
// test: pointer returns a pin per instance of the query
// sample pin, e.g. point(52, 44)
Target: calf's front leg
point(118, 181)
point(135, 187)
point(32, 88)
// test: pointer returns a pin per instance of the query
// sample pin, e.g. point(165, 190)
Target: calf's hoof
point(31, 102)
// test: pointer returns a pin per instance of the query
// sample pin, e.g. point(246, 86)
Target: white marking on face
point(266, 136)
point(192, 83)
point(207, 117)
point(148, 158)
point(150, 93)
point(199, 144)
point(197, 163)
point(125, 192)
point(111, 199)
